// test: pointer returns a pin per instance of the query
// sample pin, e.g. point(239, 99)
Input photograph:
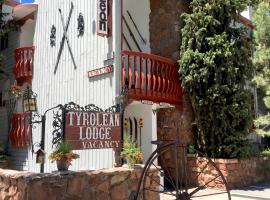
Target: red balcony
point(151, 77)
point(23, 69)
point(20, 133)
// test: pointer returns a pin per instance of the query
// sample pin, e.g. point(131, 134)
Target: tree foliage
point(215, 62)
point(262, 60)
point(4, 26)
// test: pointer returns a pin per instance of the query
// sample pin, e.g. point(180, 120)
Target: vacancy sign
point(93, 130)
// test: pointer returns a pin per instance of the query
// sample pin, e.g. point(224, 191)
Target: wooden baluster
point(166, 77)
point(123, 71)
point(21, 63)
point(176, 92)
point(129, 72)
point(22, 131)
point(142, 77)
point(17, 135)
point(169, 87)
point(177, 82)
point(154, 77)
point(172, 81)
point(163, 71)
point(136, 75)
point(26, 62)
point(159, 80)
point(30, 73)
point(149, 76)
point(28, 130)
point(146, 76)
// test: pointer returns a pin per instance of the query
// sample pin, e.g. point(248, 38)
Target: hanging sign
point(93, 130)
point(104, 17)
point(100, 71)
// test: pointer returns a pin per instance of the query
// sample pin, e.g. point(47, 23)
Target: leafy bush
point(131, 151)
point(265, 153)
point(63, 153)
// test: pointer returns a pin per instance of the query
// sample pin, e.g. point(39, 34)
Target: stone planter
point(62, 165)
point(238, 173)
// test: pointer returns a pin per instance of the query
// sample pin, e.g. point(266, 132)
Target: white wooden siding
point(90, 51)
point(140, 11)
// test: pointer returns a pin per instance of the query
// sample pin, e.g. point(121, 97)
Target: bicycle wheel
point(180, 181)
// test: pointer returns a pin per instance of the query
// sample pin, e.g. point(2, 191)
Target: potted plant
point(15, 91)
point(63, 156)
point(191, 150)
point(4, 159)
point(130, 152)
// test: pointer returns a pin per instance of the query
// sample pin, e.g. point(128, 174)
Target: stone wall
point(238, 173)
point(109, 184)
point(165, 26)
point(175, 124)
point(165, 39)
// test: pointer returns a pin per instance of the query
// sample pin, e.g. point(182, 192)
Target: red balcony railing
point(20, 133)
point(151, 77)
point(23, 69)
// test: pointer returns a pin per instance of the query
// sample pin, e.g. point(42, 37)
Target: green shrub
point(265, 153)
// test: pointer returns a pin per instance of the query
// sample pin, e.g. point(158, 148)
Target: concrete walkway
point(254, 192)
point(260, 191)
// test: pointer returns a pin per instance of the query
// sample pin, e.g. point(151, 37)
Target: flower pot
point(62, 165)
point(131, 163)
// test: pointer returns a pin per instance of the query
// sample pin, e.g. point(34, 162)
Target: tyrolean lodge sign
point(93, 130)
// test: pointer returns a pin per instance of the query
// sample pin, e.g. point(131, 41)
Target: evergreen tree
point(4, 29)
point(262, 60)
point(215, 62)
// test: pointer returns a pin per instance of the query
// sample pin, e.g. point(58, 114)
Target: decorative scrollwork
point(35, 118)
point(71, 106)
point(93, 108)
point(58, 127)
point(52, 36)
point(113, 109)
point(80, 25)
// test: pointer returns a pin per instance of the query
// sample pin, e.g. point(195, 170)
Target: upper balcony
point(151, 77)
point(23, 68)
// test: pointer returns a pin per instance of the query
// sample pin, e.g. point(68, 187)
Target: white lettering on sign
point(98, 144)
point(101, 71)
point(102, 17)
point(93, 130)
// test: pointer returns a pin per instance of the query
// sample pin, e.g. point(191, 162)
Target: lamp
point(29, 100)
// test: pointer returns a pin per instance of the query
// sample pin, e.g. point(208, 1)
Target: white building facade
point(106, 40)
